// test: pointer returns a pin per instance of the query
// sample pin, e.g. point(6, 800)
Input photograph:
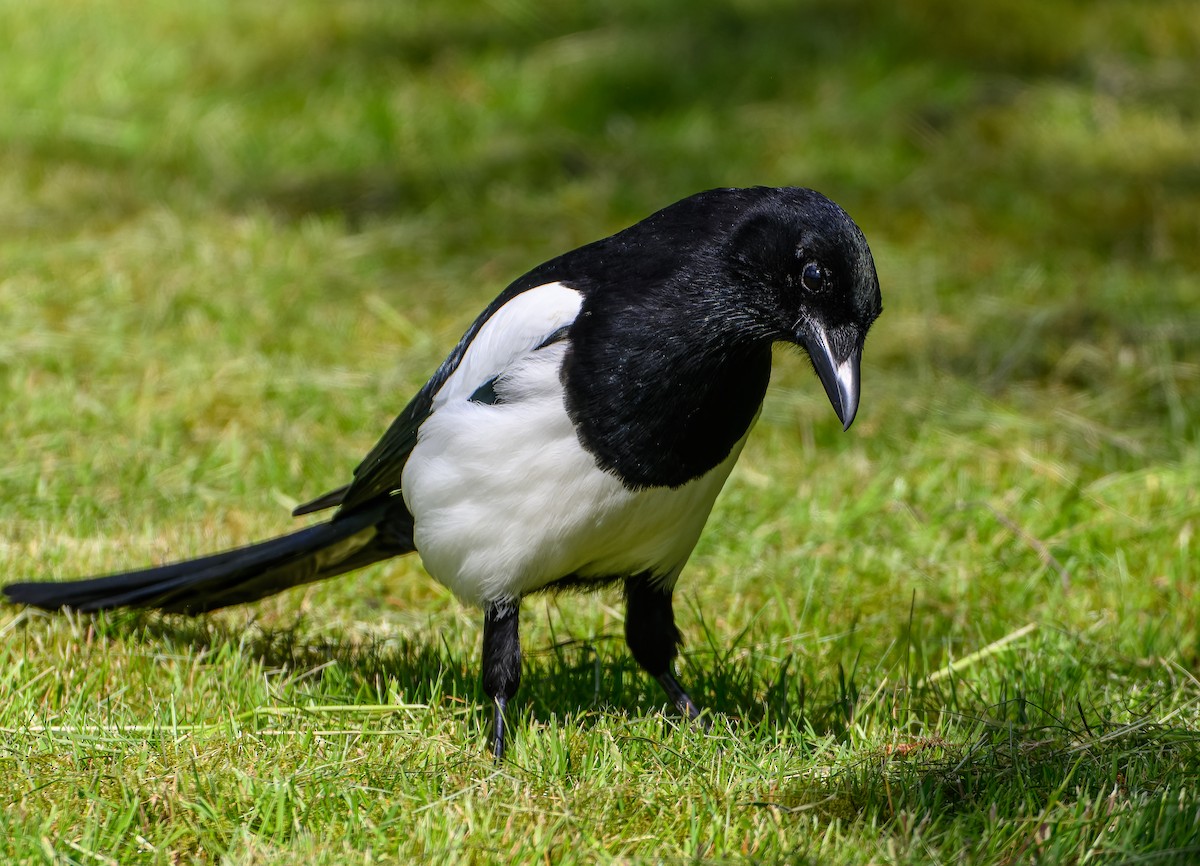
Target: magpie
point(578, 434)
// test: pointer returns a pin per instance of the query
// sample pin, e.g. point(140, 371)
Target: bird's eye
point(813, 277)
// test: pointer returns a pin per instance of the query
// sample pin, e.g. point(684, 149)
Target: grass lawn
point(234, 238)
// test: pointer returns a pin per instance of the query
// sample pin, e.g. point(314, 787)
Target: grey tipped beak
point(839, 375)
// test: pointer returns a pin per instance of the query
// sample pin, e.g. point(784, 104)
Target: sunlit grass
point(234, 239)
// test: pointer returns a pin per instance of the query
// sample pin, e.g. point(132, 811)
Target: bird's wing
point(518, 327)
point(393, 448)
point(520, 321)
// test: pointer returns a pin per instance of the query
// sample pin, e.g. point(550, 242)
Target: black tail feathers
point(246, 574)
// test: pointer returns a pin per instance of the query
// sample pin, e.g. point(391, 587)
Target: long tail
point(347, 542)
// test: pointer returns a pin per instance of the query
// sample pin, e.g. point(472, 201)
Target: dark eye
point(813, 277)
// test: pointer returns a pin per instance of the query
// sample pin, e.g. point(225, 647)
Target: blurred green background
point(234, 238)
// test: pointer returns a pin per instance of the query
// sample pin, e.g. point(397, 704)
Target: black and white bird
point(579, 432)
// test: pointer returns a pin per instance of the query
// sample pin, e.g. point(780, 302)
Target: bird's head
point(805, 275)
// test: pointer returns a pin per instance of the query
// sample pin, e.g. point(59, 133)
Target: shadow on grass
point(618, 90)
point(1028, 793)
point(612, 67)
point(727, 674)
point(560, 681)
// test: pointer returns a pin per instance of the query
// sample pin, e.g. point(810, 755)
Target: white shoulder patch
point(510, 333)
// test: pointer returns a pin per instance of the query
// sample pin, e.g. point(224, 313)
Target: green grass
point(235, 237)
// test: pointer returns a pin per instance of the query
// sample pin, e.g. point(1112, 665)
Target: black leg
point(501, 663)
point(653, 638)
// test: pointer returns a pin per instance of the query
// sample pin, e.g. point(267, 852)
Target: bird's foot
point(686, 706)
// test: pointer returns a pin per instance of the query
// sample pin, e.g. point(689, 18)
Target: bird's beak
point(838, 372)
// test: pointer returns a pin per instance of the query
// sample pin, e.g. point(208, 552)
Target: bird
point(577, 435)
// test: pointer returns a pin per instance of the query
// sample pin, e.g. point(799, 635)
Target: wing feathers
point(508, 330)
point(519, 327)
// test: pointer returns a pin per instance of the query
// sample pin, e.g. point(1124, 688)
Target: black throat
point(655, 405)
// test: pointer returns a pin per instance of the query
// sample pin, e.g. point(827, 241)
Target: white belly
point(506, 500)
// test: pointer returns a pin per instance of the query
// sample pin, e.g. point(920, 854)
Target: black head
point(802, 273)
point(670, 356)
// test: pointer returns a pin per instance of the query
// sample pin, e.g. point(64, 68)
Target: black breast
point(659, 380)
point(656, 406)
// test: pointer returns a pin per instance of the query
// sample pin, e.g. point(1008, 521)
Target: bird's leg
point(501, 663)
point(653, 638)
